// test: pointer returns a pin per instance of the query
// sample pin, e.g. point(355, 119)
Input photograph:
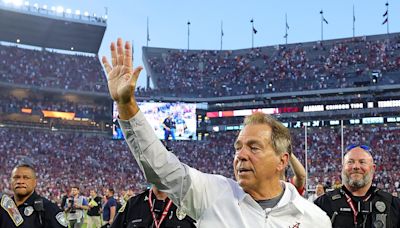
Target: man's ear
point(284, 161)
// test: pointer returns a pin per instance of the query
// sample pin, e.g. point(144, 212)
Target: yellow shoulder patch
point(122, 209)
point(8, 205)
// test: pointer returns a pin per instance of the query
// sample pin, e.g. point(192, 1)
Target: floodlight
point(45, 7)
point(53, 8)
point(68, 11)
point(77, 12)
point(18, 40)
point(17, 2)
point(36, 5)
point(60, 9)
point(26, 3)
point(86, 13)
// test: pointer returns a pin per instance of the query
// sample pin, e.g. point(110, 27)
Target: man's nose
point(356, 165)
point(242, 153)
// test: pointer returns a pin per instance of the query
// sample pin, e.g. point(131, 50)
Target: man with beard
point(357, 203)
point(37, 211)
point(261, 152)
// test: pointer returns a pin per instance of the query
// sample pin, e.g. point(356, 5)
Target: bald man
point(357, 203)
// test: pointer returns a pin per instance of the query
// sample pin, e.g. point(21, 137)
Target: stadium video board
point(183, 114)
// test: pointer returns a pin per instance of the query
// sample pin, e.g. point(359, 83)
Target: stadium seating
point(309, 66)
point(47, 69)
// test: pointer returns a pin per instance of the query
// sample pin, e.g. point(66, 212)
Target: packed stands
point(341, 63)
point(46, 69)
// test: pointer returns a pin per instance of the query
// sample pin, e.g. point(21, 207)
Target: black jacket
point(136, 213)
point(39, 212)
point(381, 208)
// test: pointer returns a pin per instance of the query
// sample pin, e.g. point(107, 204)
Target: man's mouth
point(244, 170)
point(18, 187)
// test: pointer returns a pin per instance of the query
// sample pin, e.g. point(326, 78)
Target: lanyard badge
point(164, 213)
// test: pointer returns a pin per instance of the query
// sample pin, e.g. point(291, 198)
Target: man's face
point(319, 190)
point(256, 163)
point(23, 181)
point(109, 193)
point(358, 169)
point(74, 192)
point(92, 193)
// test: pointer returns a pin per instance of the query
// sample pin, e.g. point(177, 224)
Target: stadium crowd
point(205, 73)
point(335, 64)
point(93, 161)
point(47, 69)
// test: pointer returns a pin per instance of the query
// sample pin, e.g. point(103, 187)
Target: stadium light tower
point(323, 20)
point(222, 33)
point(252, 33)
point(188, 34)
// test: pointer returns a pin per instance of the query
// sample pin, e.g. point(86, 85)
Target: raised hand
point(121, 76)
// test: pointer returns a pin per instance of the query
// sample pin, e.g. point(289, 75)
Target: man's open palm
point(121, 76)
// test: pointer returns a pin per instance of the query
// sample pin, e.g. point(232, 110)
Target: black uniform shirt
point(51, 215)
point(136, 213)
point(9, 214)
point(335, 204)
point(95, 211)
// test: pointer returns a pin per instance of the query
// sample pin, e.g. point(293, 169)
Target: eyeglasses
point(364, 147)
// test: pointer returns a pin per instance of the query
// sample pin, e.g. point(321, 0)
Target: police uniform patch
point(8, 204)
point(28, 211)
point(380, 206)
point(337, 196)
point(60, 217)
point(180, 214)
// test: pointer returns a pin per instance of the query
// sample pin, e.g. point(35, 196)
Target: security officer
point(37, 211)
point(9, 214)
point(152, 208)
point(357, 203)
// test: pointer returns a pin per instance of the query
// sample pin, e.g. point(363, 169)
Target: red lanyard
point(164, 213)
point(353, 208)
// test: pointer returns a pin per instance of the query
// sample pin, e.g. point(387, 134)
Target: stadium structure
point(55, 106)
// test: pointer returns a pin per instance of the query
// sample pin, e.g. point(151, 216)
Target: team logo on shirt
point(380, 206)
point(60, 217)
point(297, 225)
point(8, 204)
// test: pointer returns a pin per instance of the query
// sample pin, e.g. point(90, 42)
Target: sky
point(168, 21)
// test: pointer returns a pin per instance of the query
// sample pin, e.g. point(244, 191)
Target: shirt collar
point(289, 199)
point(31, 199)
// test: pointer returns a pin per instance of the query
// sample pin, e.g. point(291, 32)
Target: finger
point(128, 55)
point(113, 54)
point(106, 65)
point(135, 75)
point(120, 52)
